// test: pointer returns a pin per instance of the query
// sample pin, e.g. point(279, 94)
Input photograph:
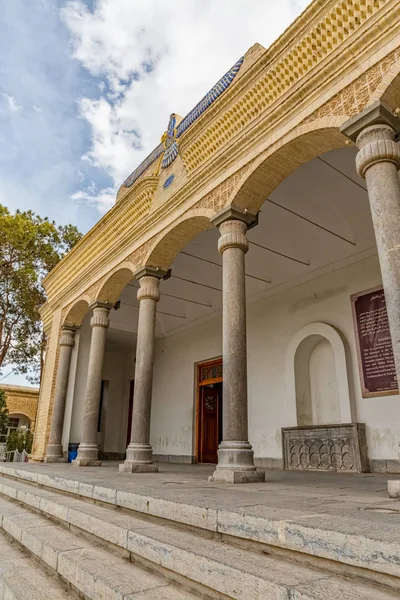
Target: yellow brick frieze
point(343, 19)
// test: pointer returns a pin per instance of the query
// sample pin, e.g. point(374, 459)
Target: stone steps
point(205, 562)
point(22, 578)
point(351, 546)
point(92, 571)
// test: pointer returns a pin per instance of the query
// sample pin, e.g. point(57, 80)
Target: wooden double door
point(209, 417)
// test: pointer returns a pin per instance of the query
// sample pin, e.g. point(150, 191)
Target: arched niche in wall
point(316, 371)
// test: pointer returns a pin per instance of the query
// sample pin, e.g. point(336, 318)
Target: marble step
point(92, 571)
point(21, 578)
point(227, 570)
point(346, 541)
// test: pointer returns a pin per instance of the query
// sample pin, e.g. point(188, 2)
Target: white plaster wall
point(323, 383)
point(73, 420)
point(172, 422)
point(272, 322)
point(117, 371)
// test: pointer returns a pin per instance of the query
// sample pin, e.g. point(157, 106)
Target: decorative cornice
point(319, 40)
point(122, 222)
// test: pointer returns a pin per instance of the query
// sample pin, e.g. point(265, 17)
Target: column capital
point(376, 144)
point(234, 213)
point(376, 114)
point(374, 131)
point(149, 288)
point(67, 336)
point(101, 312)
point(233, 235)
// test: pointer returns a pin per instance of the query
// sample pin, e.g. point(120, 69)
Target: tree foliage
point(30, 246)
point(3, 412)
point(19, 439)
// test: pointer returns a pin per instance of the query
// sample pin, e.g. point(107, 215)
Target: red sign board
point(374, 344)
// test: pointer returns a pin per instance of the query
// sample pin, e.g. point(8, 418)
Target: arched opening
point(317, 401)
point(318, 386)
point(115, 283)
point(77, 313)
point(177, 236)
point(274, 166)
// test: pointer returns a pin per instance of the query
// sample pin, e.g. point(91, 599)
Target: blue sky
point(86, 89)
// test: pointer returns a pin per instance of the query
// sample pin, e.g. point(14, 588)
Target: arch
point(20, 414)
point(388, 90)
point(115, 282)
point(175, 237)
point(76, 313)
point(300, 348)
point(292, 151)
point(24, 421)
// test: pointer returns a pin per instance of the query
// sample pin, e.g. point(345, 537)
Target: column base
point(85, 462)
point(88, 456)
point(236, 464)
point(54, 459)
point(54, 454)
point(139, 459)
point(132, 467)
point(394, 488)
point(232, 476)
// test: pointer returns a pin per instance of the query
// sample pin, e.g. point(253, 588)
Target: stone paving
point(361, 496)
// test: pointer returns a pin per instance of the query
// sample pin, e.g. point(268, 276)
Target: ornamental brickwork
point(22, 400)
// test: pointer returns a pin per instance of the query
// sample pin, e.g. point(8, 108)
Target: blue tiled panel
point(144, 165)
point(171, 152)
point(209, 98)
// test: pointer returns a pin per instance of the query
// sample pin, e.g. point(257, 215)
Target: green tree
point(30, 246)
point(19, 439)
point(3, 412)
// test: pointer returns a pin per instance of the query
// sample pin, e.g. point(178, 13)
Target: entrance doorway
point(209, 413)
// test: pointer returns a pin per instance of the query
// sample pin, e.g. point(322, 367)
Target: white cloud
point(11, 103)
point(157, 58)
point(102, 199)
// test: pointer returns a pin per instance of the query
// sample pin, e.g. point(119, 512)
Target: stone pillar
point(54, 450)
point(378, 161)
point(235, 454)
point(88, 449)
point(139, 453)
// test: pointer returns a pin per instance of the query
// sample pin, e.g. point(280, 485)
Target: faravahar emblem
point(167, 151)
point(170, 141)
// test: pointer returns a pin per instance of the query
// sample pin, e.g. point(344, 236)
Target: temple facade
point(240, 303)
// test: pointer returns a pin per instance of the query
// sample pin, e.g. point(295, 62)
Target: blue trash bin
point(72, 451)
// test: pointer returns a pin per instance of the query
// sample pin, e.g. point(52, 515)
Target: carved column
point(235, 454)
point(139, 453)
point(378, 161)
point(54, 450)
point(88, 449)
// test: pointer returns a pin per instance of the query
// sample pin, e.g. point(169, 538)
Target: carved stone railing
point(326, 448)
